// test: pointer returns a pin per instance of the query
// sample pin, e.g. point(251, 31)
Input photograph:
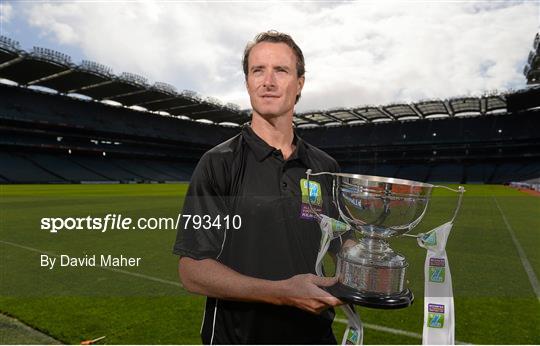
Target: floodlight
point(165, 87)
point(96, 67)
point(134, 78)
point(191, 94)
point(9, 44)
point(233, 106)
point(214, 101)
point(51, 55)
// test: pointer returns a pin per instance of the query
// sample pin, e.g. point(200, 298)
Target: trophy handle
point(460, 190)
point(335, 196)
point(308, 174)
point(419, 219)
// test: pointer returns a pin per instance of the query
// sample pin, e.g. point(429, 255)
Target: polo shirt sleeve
point(205, 200)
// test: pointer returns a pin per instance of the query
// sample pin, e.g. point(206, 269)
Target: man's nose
point(269, 79)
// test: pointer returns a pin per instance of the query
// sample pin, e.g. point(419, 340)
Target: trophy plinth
point(372, 274)
point(371, 300)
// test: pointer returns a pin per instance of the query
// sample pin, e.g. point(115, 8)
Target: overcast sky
point(357, 53)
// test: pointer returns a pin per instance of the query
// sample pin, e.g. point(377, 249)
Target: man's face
point(272, 81)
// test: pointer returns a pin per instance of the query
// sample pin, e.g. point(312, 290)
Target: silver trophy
point(369, 272)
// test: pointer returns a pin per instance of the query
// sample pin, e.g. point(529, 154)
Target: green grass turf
point(15, 333)
point(495, 303)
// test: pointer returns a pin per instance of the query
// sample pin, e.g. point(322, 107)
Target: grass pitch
point(494, 298)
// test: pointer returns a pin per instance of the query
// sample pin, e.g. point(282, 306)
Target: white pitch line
point(391, 330)
point(384, 329)
point(143, 276)
point(522, 256)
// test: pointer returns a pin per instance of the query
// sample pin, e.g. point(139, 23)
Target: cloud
point(6, 12)
point(357, 53)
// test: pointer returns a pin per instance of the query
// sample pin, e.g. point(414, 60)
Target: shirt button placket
point(283, 182)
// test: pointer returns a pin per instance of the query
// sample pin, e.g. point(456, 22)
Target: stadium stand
point(64, 167)
point(139, 168)
point(479, 172)
point(62, 139)
point(446, 172)
point(413, 171)
point(55, 136)
point(16, 169)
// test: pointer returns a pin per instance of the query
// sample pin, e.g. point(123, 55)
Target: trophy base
point(371, 300)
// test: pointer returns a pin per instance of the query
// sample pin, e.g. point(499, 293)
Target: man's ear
point(301, 81)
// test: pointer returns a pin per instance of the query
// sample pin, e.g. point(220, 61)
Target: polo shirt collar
point(262, 150)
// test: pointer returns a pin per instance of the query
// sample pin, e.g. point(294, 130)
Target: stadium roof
point(532, 67)
point(43, 67)
point(465, 106)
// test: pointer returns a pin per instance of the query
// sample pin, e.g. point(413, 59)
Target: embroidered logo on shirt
point(311, 194)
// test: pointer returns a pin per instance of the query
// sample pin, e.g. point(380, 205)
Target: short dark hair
point(275, 37)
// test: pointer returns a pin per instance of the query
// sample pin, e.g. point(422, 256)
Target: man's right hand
point(304, 292)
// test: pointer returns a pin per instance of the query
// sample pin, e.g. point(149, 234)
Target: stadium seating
point(418, 172)
point(65, 167)
point(50, 168)
point(55, 138)
point(479, 173)
point(446, 172)
point(17, 169)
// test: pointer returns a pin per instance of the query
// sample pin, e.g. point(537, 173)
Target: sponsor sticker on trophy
point(435, 315)
point(436, 269)
point(352, 336)
point(430, 239)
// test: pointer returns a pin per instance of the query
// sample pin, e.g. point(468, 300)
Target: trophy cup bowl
point(369, 272)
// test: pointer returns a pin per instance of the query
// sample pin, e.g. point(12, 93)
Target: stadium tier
point(59, 136)
point(48, 138)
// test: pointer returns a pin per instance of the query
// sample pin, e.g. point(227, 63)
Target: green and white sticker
point(352, 336)
point(435, 316)
point(311, 192)
point(437, 269)
point(430, 239)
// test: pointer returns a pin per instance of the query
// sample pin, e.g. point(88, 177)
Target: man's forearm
point(210, 278)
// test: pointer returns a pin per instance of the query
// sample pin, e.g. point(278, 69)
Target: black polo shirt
point(277, 239)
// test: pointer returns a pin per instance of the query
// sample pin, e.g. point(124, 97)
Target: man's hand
point(213, 279)
point(303, 291)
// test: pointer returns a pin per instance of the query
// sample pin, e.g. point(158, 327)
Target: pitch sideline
point(522, 256)
point(392, 330)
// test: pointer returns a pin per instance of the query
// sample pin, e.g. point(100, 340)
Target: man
point(259, 278)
